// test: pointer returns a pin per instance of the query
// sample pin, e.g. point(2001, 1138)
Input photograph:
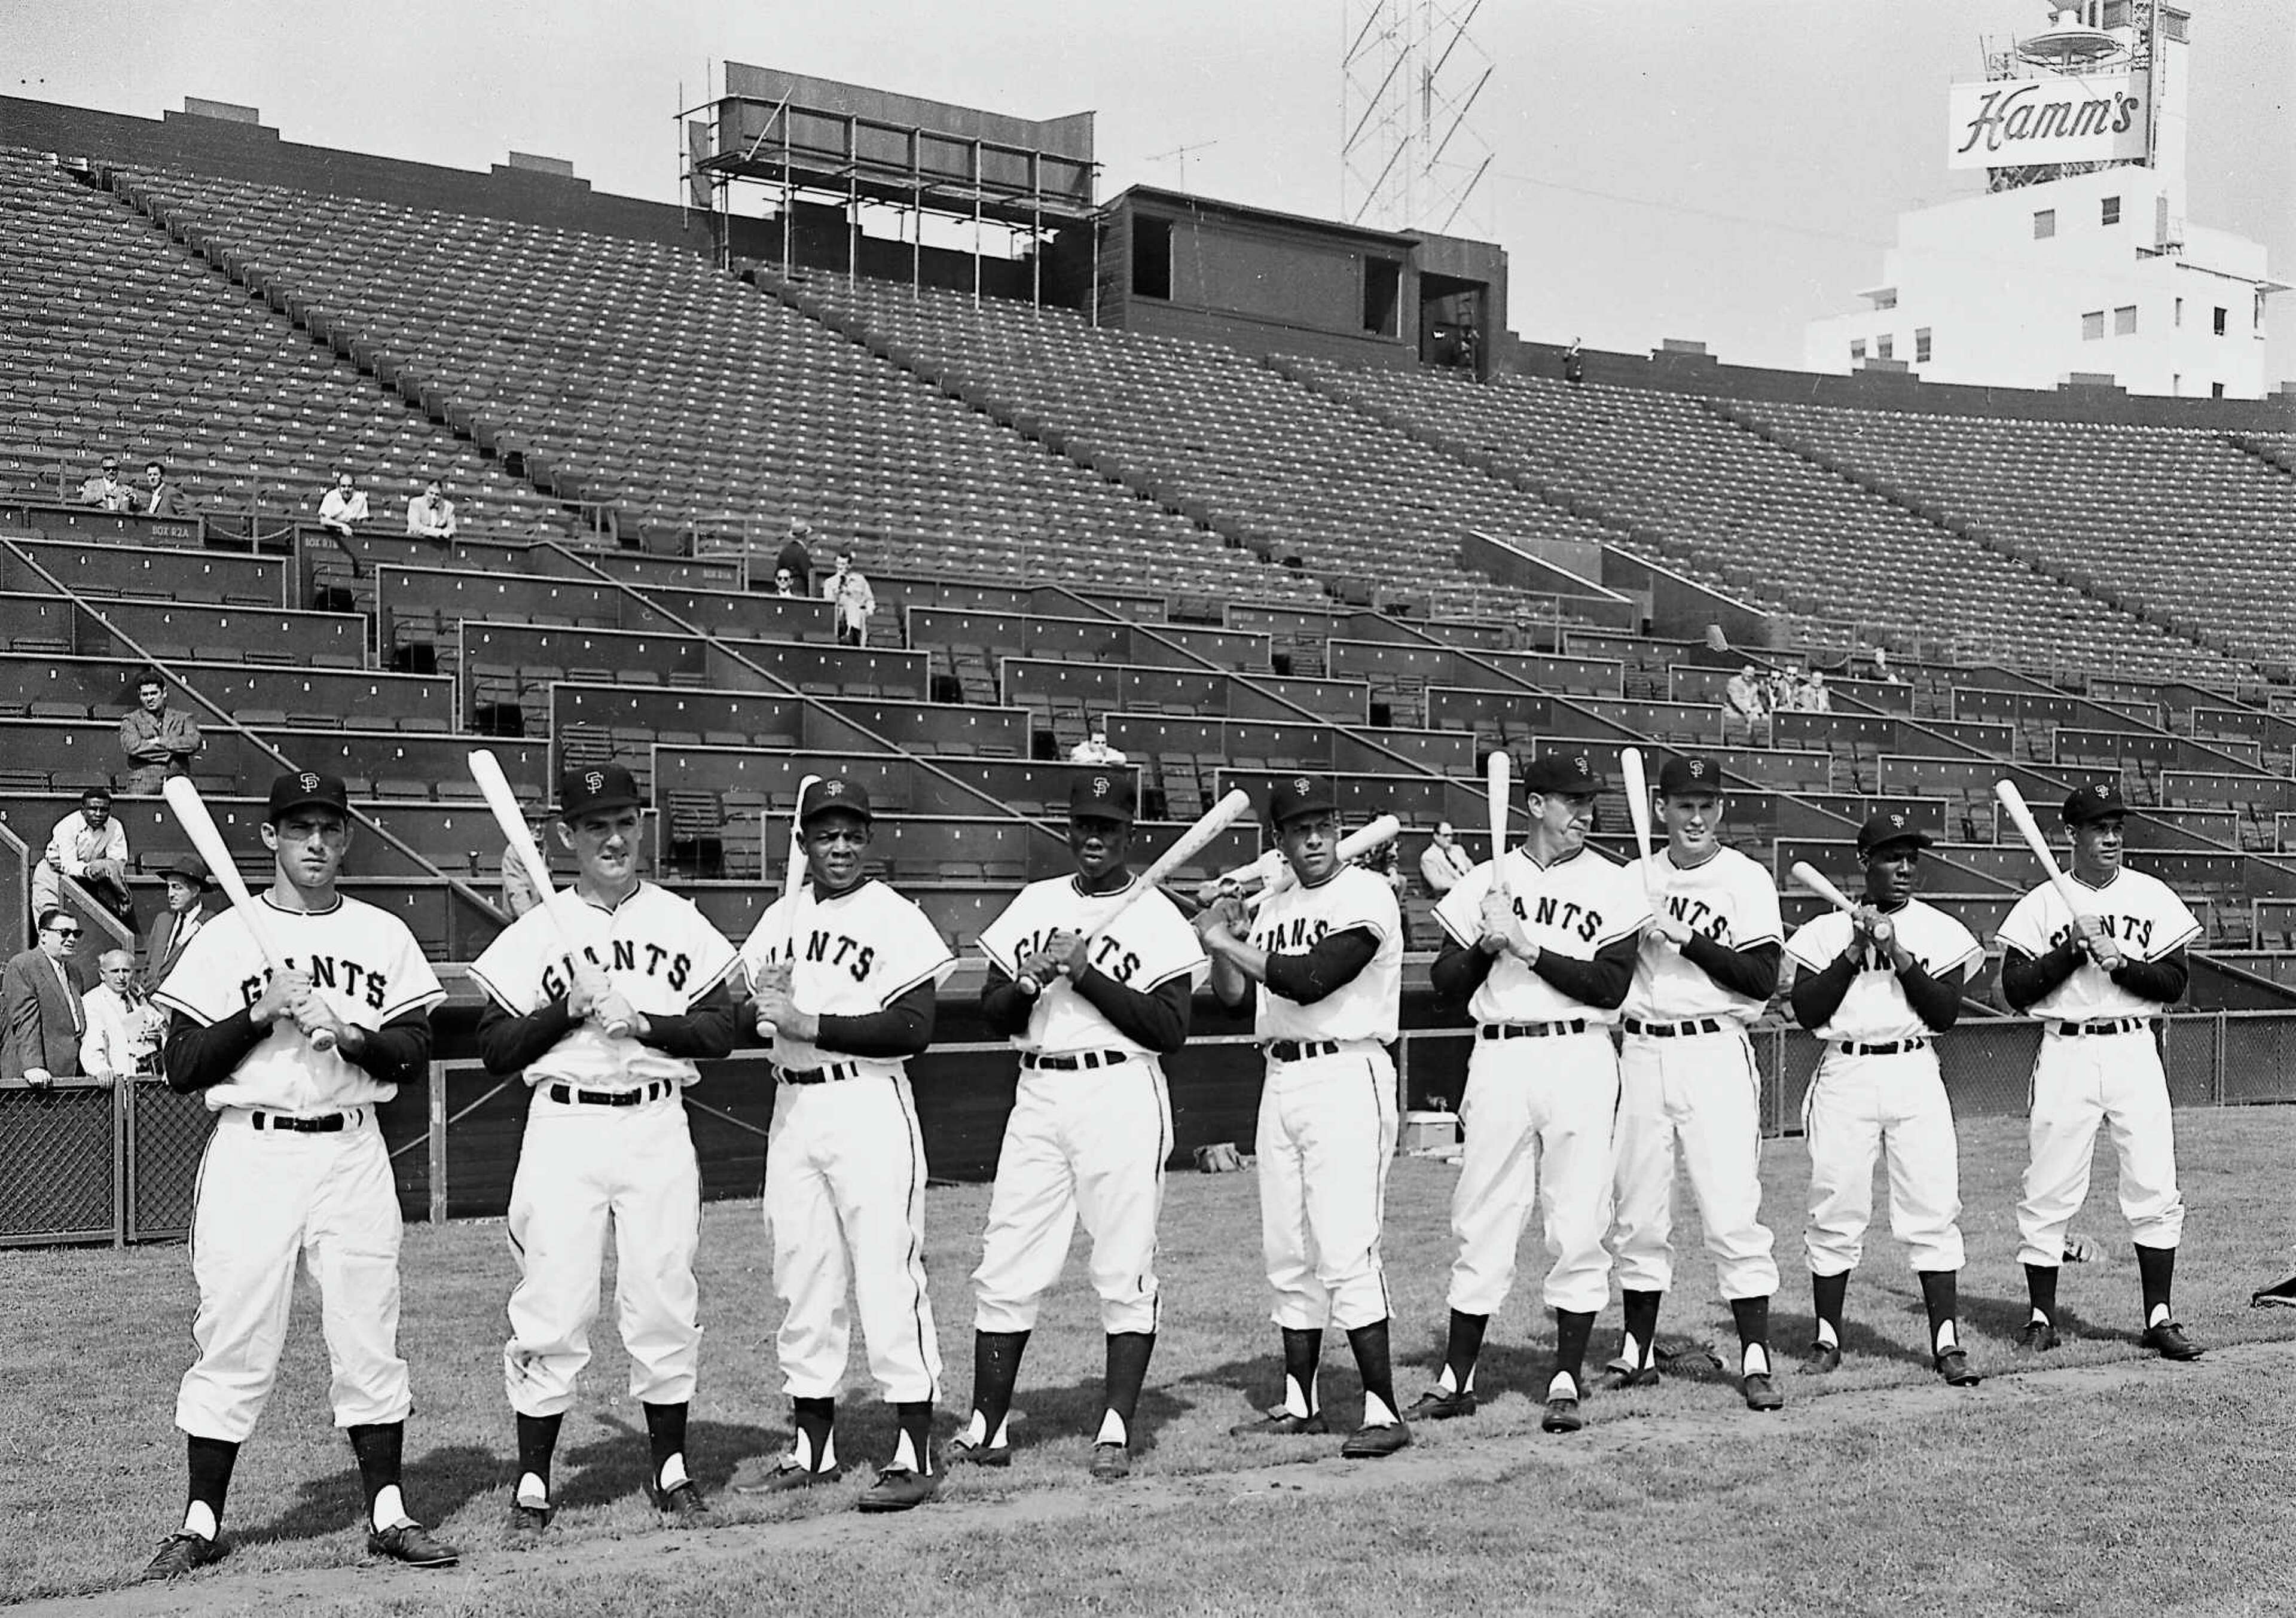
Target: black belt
point(1850, 1048)
point(817, 1075)
point(1529, 1030)
point(653, 1092)
point(1673, 1031)
point(2110, 1025)
point(1299, 1050)
point(326, 1123)
point(1075, 1060)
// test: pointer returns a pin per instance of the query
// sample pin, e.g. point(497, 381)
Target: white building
point(2069, 269)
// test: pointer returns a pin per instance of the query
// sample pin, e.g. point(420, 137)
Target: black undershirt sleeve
point(399, 1051)
point(2163, 980)
point(1458, 972)
point(510, 1043)
point(1601, 982)
point(703, 1033)
point(1003, 1007)
point(1334, 963)
point(2025, 979)
point(903, 1028)
point(199, 1058)
point(1752, 973)
point(1157, 1018)
point(1936, 1001)
point(1818, 995)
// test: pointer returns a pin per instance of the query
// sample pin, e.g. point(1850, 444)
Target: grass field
point(2105, 1478)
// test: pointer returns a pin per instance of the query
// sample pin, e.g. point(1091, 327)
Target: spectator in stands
point(786, 583)
point(846, 590)
point(1574, 364)
point(90, 847)
point(41, 1013)
point(343, 505)
point(430, 514)
point(1784, 691)
point(159, 741)
point(518, 894)
point(1443, 861)
point(795, 559)
point(1815, 697)
point(1881, 670)
point(123, 1029)
point(190, 904)
point(106, 491)
point(161, 498)
point(1746, 709)
point(1095, 748)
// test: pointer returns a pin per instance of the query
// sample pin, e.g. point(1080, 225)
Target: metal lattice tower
point(1410, 155)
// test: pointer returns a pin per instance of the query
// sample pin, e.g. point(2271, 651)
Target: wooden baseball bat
point(792, 879)
point(493, 786)
point(2022, 817)
point(1638, 807)
point(1499, 783)
point(207, 841)
point(1191, 842)
point(1355, 845)
point(1815, 881)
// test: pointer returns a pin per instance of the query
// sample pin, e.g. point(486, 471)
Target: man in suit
point(41, 1015)
point(123, 1028)
point(187, 911)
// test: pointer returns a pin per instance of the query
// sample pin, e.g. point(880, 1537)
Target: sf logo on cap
point(835, 789)
point(1300, 785)
point(311, 782)
point(594, 781)
point(1100, 786)
point(1697, 767)
point(1896, 820)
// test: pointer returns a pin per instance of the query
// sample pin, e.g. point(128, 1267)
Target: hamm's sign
point(2008, 121)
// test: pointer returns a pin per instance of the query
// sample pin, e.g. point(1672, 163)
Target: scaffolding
point(1411, 156)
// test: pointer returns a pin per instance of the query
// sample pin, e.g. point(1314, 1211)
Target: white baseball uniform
point(1877, 1088)
point(1542, 1084)
point(296, 1169)
point(845, 1162)
point(606, 1143)
point(1091, 1123)
point(1327, 1111)
point(1686, 1075)
point(2098, 1062)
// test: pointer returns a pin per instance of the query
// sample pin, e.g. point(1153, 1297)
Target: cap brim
point(600, 805)
point(1920, 840)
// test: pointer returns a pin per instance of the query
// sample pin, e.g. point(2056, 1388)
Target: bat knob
point(323, 1041)
point(617, 1029)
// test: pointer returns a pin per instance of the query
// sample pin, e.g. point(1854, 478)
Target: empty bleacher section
point(120, 342)
point(1675, 476)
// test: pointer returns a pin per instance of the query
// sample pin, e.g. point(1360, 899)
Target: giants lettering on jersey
point(1112, 957)
point(1295, 936)
point(2135, 929)
point(361, 983)
point(1565, 915)
point(679, 966)
point(1699, 917)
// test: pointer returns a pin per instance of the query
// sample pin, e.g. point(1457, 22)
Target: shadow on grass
point(437, 1485)
point(1062, 1415)
point(610, 1468)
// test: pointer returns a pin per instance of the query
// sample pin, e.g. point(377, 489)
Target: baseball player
point(1687, 1083)
point(1540, 948)
point(607, 1044)
point(1875, 986)
point(296, 1173)
point(1092, 1004)
point(2100, 978)
point(844, 975)
point(1325, 952)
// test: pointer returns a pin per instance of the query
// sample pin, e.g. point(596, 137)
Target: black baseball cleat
point(411, 1543)
point(899, 1489)
point(1369, 1443)
point(527, 1520)
point(681, 1501)
point(2280, 1295)
point(1954, 1366)
point(2038, 1337)
point(1562, 1416)
point(1618, 1376)
point(789, 1474)
point(1824, 1357)
point(2169, 1341)
point(1761, 1393)
point(1280, 1423)
point(183, 1553)
point(963, 1452)
point(1435, 1405)
point(1111, 1463)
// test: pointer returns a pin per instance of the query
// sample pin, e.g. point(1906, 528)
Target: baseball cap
point(1106, 793)
point(1688, 774)
point(1289, 797)
point(1888, 825)
point(595, 788)
point(1563, 769)
point(191, 867)
point(834, 792)
point(298, 789)
point(2093, 801)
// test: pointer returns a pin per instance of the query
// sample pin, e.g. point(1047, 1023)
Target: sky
point(1723, 172)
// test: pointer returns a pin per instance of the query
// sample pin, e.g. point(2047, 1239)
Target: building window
point(2112, 210)
point(1886, 299)
point(2220, 320)
point(1857, 349)
point(1921, 345)
point(2180, 314)
point(1885, 348)
point(2124, 320)
point(2113, 14)
point(2093, 325)
point(2216, 390)
point(1151, 258)
point(2044, 223)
